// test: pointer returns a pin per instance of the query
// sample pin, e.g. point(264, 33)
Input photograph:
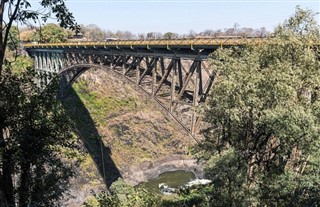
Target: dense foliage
point(123, 195)
point(33, 127)
point(51, 33)
point(263, 145)
point(35, 130)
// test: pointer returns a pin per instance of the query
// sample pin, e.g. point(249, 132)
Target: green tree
point(15, 58)
point(53, 33)
point(264, 113)
point(13, 38)
point(123, 195)
point(36, 130)
point(33, 128)
point(27, 35)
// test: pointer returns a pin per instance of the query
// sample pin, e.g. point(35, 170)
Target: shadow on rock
point(85, 128)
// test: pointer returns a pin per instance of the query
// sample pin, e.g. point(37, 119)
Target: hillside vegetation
point(133, 132)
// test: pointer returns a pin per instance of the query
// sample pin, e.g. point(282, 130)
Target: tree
point(207, 32)
point(13, 38)
point(127, 35)
point(93, 33)
point(245, 32)
point(264, 114)
point(262, 32)
point(229, 32)
point(32, 128)
point(53, 33)
point(170, 35)
point(36, 130)
point(27, 35)
point(151, 35)
point(236, 28)
point(141, 36)
point(122, 194)
point(192, 34)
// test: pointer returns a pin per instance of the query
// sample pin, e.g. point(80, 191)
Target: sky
point(182, 16)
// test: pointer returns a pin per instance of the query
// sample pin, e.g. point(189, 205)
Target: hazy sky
point(141, 16)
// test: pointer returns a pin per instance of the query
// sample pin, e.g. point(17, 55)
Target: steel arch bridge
point(173, 73)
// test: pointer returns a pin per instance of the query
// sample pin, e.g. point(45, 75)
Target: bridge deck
point(180, 43)
point(181, 48)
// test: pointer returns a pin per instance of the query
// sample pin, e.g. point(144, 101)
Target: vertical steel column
point(173, 84)
point(41, 69)
point(138, 72)
point(124, 66)
point(48, 68)
point(54, 62)
point(111, 62)
point(162, 66)
point(154, 76)
point(66, 59)
point(180, 74)
point(36, 62)
point(195, 99)
point(200, 92)
point(36, 65)
point(50, 62)
point(44, 61)
point(90, 61)
point(61, 61)
point(40, 61)
point(147, 64)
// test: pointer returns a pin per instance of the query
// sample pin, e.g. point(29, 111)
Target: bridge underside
point(177, 83)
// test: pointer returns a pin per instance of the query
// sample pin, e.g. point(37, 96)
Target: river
point(173, 179)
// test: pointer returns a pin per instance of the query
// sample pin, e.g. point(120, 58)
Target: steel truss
point(177, 84)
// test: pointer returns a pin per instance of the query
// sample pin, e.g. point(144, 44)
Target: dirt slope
point(122, 131)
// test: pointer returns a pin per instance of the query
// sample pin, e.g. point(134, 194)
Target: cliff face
point(122, 132)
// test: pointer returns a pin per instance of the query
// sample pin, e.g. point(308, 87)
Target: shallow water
point(172, 179)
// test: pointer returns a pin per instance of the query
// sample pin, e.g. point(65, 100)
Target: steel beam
point(164, 77)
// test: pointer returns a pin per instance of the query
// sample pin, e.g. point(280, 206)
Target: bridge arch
point(70, 74)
